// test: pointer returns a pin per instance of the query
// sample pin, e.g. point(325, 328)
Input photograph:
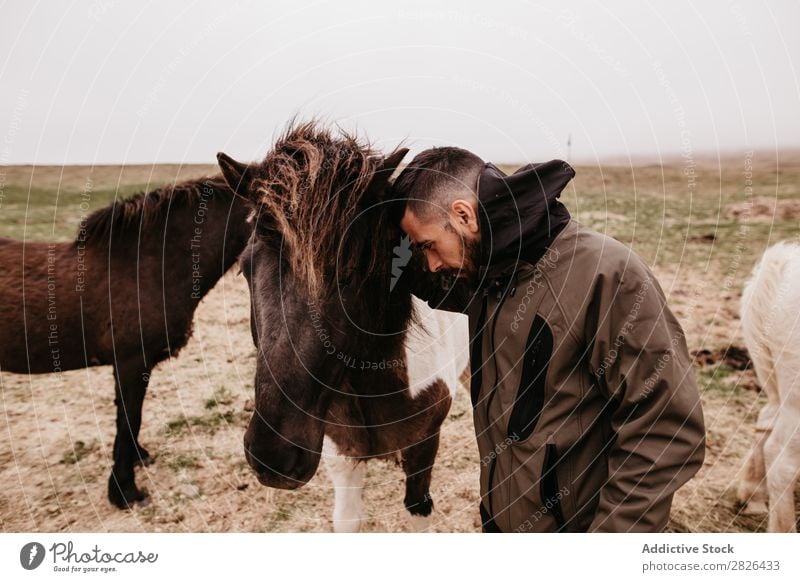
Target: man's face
point(449, 242)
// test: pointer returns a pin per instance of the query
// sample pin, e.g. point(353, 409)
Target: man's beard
point(471, 253)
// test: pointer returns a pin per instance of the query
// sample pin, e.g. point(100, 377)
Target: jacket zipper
point(476, 363)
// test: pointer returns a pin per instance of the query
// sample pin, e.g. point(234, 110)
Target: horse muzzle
point(286, 468)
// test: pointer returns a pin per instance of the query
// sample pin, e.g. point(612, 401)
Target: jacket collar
point(520, 214)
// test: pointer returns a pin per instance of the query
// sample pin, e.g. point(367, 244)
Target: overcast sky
point(140, 82)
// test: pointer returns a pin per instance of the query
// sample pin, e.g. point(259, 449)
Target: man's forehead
point(412, 225)
point(409, 221)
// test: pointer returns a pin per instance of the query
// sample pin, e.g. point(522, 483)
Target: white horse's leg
point(770, 330)
point(752, 493)
point(758, 313)
point(348, 482)
point(782, 447)
point(782, 457)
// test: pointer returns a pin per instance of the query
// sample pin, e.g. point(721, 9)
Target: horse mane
point(312, 185)
point(142, 210)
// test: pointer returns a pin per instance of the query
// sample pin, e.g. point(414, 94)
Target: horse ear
point(236, 174)
point(390, 164)
point(388, 167)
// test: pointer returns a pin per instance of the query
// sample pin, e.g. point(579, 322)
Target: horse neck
point(374, 349)
point(235, 232)
point(207, 241)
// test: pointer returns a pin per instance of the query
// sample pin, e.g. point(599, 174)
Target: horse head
point(325, 302)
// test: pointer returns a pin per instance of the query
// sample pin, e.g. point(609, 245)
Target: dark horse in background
point(123, 293)
point(331, 321)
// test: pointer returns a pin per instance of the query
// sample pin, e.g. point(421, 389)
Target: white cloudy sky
point(107, 81)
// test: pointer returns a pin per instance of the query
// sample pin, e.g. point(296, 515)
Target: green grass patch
point(78, 451)
point(221, 397)
point(277, 518)
point(183, 461)
point(48, 202)
point(210, 422)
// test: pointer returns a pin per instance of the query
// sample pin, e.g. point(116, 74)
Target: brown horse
point(123, 293)
point(329, 320)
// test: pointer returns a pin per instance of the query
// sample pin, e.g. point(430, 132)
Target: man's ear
point(238, 175)
point(465, 215)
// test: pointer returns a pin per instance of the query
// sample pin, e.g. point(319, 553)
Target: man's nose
point(434, 262)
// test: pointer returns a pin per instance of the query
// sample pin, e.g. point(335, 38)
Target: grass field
point(700, 224)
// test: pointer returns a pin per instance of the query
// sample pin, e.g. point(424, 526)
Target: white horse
point(437, 349)
point(771, 330)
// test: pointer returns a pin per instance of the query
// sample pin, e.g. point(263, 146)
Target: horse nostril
point(265, 461)
point(286, 468)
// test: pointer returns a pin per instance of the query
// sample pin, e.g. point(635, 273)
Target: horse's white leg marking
point(348, 482)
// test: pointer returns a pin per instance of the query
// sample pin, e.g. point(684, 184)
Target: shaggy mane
point(312, 185)
point(140, 211)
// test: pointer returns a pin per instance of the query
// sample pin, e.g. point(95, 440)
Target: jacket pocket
point(549, 489)
point(529, 401)
point(523, 501)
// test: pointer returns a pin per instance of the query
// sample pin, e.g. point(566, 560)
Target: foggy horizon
point(109, 83)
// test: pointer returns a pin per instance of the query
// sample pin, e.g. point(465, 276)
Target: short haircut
point(435, 178)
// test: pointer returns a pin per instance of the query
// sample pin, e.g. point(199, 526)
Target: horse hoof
point(422, 508)
point(144, 458)
point(125, 496)
point(144, 461)
point(753, 507)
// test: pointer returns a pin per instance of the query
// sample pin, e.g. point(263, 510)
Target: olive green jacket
point(585, 404)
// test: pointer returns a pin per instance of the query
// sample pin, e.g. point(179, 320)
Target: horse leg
point(418, 465)
point(130, 380)
point(752, 492)
point(348, 482)
point(782, 458)
point(782, 447)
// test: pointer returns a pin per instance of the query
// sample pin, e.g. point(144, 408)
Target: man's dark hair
point(436, 177)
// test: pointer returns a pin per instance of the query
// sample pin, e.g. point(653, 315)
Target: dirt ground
point(56, 431)
point(56, 436)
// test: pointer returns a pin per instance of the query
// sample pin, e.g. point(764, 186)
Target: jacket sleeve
point(640, 361)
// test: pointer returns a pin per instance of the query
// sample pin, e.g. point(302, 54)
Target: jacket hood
point(520, 214)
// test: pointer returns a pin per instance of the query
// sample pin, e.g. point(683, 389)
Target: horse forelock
point(312, 185)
